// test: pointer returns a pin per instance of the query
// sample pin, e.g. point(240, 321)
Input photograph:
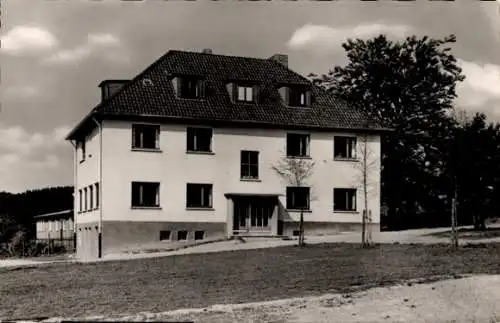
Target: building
point(184, 151)
point(55, 226)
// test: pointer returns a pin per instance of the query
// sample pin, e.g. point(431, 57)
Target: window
point(80, 195)
point(82, 151)
point(199, 139)
point(297, 97)
point(297, 198)
point(245, 93)
point(199, 196)
point(198, 235)
point(145, 194)
point(164, 235)
point(190, 88)
point(182, 235)
point(297, 145)
point(96, 195)
point(145, 136)
point(85, 201)
point(249, 164)
point(344, 147)
point(344, 199)
point(91, 195)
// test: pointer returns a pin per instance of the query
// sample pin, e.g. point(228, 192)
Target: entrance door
point(252, 215)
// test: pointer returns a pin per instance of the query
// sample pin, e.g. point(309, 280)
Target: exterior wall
point(87, 173)
point(87, 221)
point(172, 167)
point(87, 240)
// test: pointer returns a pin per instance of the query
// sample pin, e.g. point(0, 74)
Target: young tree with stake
point(368, 169)
point(296, 172)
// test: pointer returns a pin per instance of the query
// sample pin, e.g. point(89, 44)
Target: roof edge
point(250, 123)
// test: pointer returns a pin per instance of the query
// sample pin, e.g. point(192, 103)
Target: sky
point(55, 53)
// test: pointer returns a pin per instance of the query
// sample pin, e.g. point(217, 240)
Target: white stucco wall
point(87, 173)
point(173, 168)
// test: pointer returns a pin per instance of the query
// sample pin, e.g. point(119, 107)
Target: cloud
point(16, 140)
point(323, 38)
point(31, 160)
point(27, 40)
point(101, 43)
point(481, 85)
point(21, 92)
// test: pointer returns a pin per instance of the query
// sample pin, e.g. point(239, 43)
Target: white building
point(184, 151)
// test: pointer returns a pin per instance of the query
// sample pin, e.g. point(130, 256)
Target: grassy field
point(471, 234)
point(161, 284)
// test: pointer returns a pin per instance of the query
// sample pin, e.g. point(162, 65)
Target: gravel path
point(472, 299)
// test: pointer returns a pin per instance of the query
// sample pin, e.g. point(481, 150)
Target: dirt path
point(472, 299)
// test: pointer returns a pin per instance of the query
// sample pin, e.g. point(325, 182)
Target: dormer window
point(296, 96)
point(245, 93)
point(188, 87)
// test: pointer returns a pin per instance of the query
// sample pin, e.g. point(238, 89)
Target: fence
point(55, 246)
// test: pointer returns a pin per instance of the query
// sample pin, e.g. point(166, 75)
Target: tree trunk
point(454, 233)
point(301, 228)
point(364, 243)
point(478, 220)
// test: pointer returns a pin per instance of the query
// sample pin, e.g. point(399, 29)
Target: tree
point(296, 172)
point(473, 167)
point(368, 172)
point(408, 86)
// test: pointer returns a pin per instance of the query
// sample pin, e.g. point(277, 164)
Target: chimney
point(110, 87)
point(280, 58)
point(207, 51)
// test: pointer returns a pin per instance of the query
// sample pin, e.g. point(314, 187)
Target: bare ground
point(472, 299)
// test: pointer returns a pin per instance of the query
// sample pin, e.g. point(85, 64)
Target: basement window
point(145, 194)
point(198, 235)
point(164, 235)
point(145, 136)
point(182, 235)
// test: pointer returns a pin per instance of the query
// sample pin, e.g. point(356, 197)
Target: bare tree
point(462, 118)
point(296, 172)
point(366, 180)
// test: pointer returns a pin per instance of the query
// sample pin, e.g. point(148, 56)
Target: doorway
point(253, 215)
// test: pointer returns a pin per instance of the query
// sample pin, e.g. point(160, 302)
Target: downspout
point(75, 190)
point(99, 241)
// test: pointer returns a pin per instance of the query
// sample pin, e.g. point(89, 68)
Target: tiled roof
point(151, 93)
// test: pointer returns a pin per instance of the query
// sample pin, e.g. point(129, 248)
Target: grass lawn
point(161, 284)
point(471, 234)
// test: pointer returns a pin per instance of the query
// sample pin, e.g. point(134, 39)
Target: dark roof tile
point(157, 97)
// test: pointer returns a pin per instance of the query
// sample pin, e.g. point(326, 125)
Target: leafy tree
point(17, 210)
point(473, 163)
point(408, 86)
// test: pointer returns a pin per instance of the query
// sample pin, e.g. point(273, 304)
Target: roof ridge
point(222, 55)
